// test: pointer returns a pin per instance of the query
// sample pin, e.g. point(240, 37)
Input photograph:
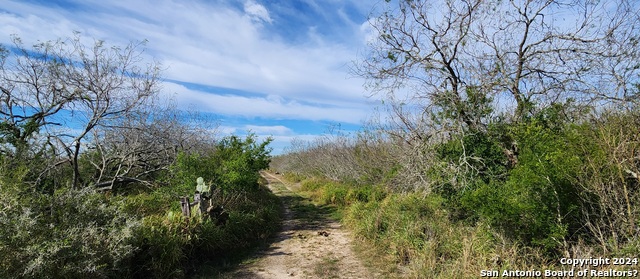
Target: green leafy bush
point(232, 163)
point(536, 203)
point(172, 246)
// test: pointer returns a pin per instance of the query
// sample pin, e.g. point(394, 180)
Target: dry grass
point(327, 267)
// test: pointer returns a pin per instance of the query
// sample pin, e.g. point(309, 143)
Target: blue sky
point(277, 68)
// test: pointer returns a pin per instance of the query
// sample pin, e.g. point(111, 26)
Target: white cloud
point(216, 44)
point(257, 11)
point(266, 107)
point(267, 130)
point(281, 136)
point(280, 143)
point(369, 34)
point(227, 130)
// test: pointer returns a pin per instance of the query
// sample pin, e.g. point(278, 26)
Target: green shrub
point(536, 203)
point(341, 194)
point(147, 204)
point(359, 194)
point(72, 234)
point(294, 177)
point(172, 246)
point(479, 153)
point(162, 241)
point(312, 184)
point(608, 177)
point(232, 163)
point(334, 193)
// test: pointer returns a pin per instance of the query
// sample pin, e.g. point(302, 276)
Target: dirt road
point(310, 244)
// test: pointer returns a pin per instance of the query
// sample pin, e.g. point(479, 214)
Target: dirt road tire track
point(318, 248)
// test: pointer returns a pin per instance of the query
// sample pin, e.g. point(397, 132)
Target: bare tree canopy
point(464, 59)
point(67, 83)
point(146, 143)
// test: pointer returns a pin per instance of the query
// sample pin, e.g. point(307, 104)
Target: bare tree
point(144, 144)
point(30, 93)
point(65, 82)
point(462, 60)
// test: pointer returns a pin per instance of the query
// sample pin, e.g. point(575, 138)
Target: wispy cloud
point(273, 130)
point(284, 60)
point(270, 106)
point(258, 129)
point(257, 11)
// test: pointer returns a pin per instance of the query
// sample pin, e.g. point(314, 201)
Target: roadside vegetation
point(506, 140)
point(93, 165)
point(569, 195)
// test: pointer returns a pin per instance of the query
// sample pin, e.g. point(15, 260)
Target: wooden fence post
point(200, 198)
point(186, 206)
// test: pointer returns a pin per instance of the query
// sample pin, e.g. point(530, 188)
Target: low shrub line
point(172, 246)
point(137, 230)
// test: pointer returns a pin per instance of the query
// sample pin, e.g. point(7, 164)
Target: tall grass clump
point(340, 194)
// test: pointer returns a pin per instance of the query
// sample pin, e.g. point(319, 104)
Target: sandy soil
point(304, 248)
